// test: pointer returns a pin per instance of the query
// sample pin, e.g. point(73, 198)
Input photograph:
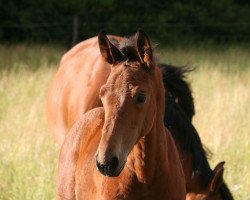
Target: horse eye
point(140, 98)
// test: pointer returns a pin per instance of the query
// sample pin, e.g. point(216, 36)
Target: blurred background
point(212, 36)
point(166, 21)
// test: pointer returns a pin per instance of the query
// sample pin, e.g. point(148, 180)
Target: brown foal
point(123, 150)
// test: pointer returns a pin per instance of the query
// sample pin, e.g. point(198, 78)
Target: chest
point(126, 186)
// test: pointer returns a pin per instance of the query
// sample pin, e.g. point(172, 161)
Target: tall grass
point(28, 154)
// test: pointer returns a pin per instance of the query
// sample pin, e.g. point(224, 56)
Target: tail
point(175, 83)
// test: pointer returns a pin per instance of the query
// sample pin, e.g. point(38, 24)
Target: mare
point(201, 181)
point(75, 90)
point(123, 150)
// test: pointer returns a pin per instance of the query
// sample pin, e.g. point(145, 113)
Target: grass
point(28, 154)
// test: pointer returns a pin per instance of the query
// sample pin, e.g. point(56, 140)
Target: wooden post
point(75, 30)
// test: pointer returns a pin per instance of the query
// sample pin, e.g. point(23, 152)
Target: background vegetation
point(165, 21)
point(28, 154)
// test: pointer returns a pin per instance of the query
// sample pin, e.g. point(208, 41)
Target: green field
point(28, 154)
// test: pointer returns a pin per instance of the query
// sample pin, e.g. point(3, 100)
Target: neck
point(149, 155)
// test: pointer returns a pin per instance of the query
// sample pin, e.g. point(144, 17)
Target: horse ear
point(109, 52)
point(218, 177)
point(143, 47)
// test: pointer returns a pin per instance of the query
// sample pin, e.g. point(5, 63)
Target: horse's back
point(79, 49)
point(75, 87)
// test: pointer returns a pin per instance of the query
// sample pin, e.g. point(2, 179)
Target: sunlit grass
point(28, 154)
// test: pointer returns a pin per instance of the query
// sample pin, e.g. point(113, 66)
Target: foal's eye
point(140, 98)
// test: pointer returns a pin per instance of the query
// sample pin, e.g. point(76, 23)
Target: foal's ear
point(218, 177)
point(109, 52)
point(143, 47)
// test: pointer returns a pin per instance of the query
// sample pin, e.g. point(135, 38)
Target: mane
point(178, 119)
point(188, 139)
point(174, 80)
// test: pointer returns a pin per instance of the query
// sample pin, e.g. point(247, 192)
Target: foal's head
point(128, 97)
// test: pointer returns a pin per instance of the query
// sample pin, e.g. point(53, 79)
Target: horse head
point(128, 97)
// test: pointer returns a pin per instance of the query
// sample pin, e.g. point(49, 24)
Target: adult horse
point(75, 90)
point(126, 138)
point(201, 181)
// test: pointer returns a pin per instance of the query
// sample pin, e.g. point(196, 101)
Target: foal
point(123, 150)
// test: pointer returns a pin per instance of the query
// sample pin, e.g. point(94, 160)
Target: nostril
point(113, 163)
point(109, 167)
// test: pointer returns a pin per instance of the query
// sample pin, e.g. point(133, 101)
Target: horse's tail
point(175, 83)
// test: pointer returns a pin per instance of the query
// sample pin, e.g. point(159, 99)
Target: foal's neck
point(148, 156)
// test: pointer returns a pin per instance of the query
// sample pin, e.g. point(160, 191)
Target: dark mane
point(174, 80)
point(187, 137)
point(179, 111)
